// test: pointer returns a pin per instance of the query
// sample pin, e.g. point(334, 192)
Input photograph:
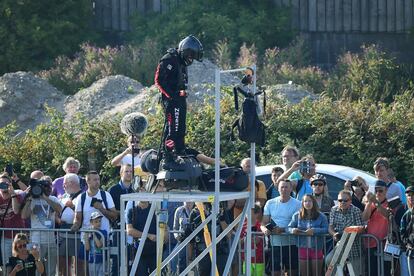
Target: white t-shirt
point(68, 214)
point(281, 214)
point(127, 159)
point(88, 210)
point(43, 216)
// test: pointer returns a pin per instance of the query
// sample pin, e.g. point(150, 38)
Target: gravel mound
point(105, 97)
point(291, 92)
point(23, 98)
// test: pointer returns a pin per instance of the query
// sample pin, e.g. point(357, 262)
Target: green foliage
point(372, 74)
point(262, 24)
point(93, 63)
point(339, 132)
point(33, 33)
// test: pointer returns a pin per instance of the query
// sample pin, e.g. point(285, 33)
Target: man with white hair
point(70, 244)
point(71, 165)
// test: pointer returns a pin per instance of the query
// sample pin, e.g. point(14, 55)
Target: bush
point(372, 74)
point(338, 132)
point(33, 33)
point(93, 63)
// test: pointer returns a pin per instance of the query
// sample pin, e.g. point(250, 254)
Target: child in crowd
point(94, 243)
point(308, 222)
point(257, 262)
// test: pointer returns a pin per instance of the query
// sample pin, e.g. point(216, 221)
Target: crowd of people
point(296, 223)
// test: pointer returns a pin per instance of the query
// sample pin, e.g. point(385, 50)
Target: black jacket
point(171, 76)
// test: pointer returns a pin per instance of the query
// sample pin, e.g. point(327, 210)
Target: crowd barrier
point(63, 248)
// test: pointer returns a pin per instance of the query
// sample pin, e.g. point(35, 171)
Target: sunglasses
point(22, 245)
point(320, 184)
point(379, 191)
point(343, 200)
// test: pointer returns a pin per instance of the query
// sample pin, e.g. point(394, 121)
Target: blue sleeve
point(323, 225)
point(293, 223)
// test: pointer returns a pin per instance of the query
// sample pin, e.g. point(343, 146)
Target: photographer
point(9, 216)
point(358, 186)
point(41, 207)
point(15, 180)
point(181, 223)
point(306, 167)
point(204, 266)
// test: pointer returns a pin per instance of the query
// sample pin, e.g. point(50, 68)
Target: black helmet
point(190, 48)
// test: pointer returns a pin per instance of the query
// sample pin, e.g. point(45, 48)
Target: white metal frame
point(214, 198)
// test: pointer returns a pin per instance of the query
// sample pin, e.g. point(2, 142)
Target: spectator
point(381, 168)
point(125, 157)
point(261, 194)
point(320, 192)
point(277, 214)
point(135, 221)
point(42, 210)
point(407, 231)
point(393, 179)
point(272, 191)
point(10, 203)
point(359, 187)
point(93, 200)
point(37, 174)
point(94, 243)
point(377, 212)
point(290, 155)
point(257, 261)
point(69, 243)
point(308, 221)
point(23, 262)
point(123, 187)
point(181, 223)
point(71, 165)
point(15, 180)
point(301, 186)
point(204, 265)
point(342, 216)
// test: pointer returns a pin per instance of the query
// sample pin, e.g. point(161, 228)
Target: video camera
point(37, 187)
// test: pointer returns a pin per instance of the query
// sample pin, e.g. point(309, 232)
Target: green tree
point(33, 33)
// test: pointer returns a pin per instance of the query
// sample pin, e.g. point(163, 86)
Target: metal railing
point(63, 252)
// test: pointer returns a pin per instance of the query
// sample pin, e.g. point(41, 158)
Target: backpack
point(83, 199)
point(249, 126)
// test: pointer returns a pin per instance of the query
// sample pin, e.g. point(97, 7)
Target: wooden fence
point(392, 16)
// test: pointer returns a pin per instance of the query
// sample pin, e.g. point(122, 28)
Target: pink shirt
point(377, 226)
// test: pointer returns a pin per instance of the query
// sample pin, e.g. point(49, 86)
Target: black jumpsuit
point(171, 79)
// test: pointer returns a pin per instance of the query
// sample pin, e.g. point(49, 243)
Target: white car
point(336, 176)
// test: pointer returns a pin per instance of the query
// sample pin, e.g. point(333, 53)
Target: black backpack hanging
point(249, 126)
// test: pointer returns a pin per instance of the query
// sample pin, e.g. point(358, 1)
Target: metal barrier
point(271, 260)
point(61, 250)
point(64, 248)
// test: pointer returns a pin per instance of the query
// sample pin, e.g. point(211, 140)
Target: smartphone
point(9, 169)
point(271, 225)
point(94, 199)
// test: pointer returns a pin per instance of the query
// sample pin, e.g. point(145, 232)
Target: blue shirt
point(305, 189)
point(319, 226)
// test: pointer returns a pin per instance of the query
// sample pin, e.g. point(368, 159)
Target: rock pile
point(23, 98)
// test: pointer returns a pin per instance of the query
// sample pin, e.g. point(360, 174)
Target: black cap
point(380, 183)
point(410, 189)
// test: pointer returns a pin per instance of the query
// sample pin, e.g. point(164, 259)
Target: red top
point(257, 243)
point(11, 220)
point(377, 226)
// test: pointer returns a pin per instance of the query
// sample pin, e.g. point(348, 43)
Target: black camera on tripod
point(37, 187)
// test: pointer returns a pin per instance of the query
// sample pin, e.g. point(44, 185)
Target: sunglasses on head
point(22, 245)
point(320, 184)
point(343, 200)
